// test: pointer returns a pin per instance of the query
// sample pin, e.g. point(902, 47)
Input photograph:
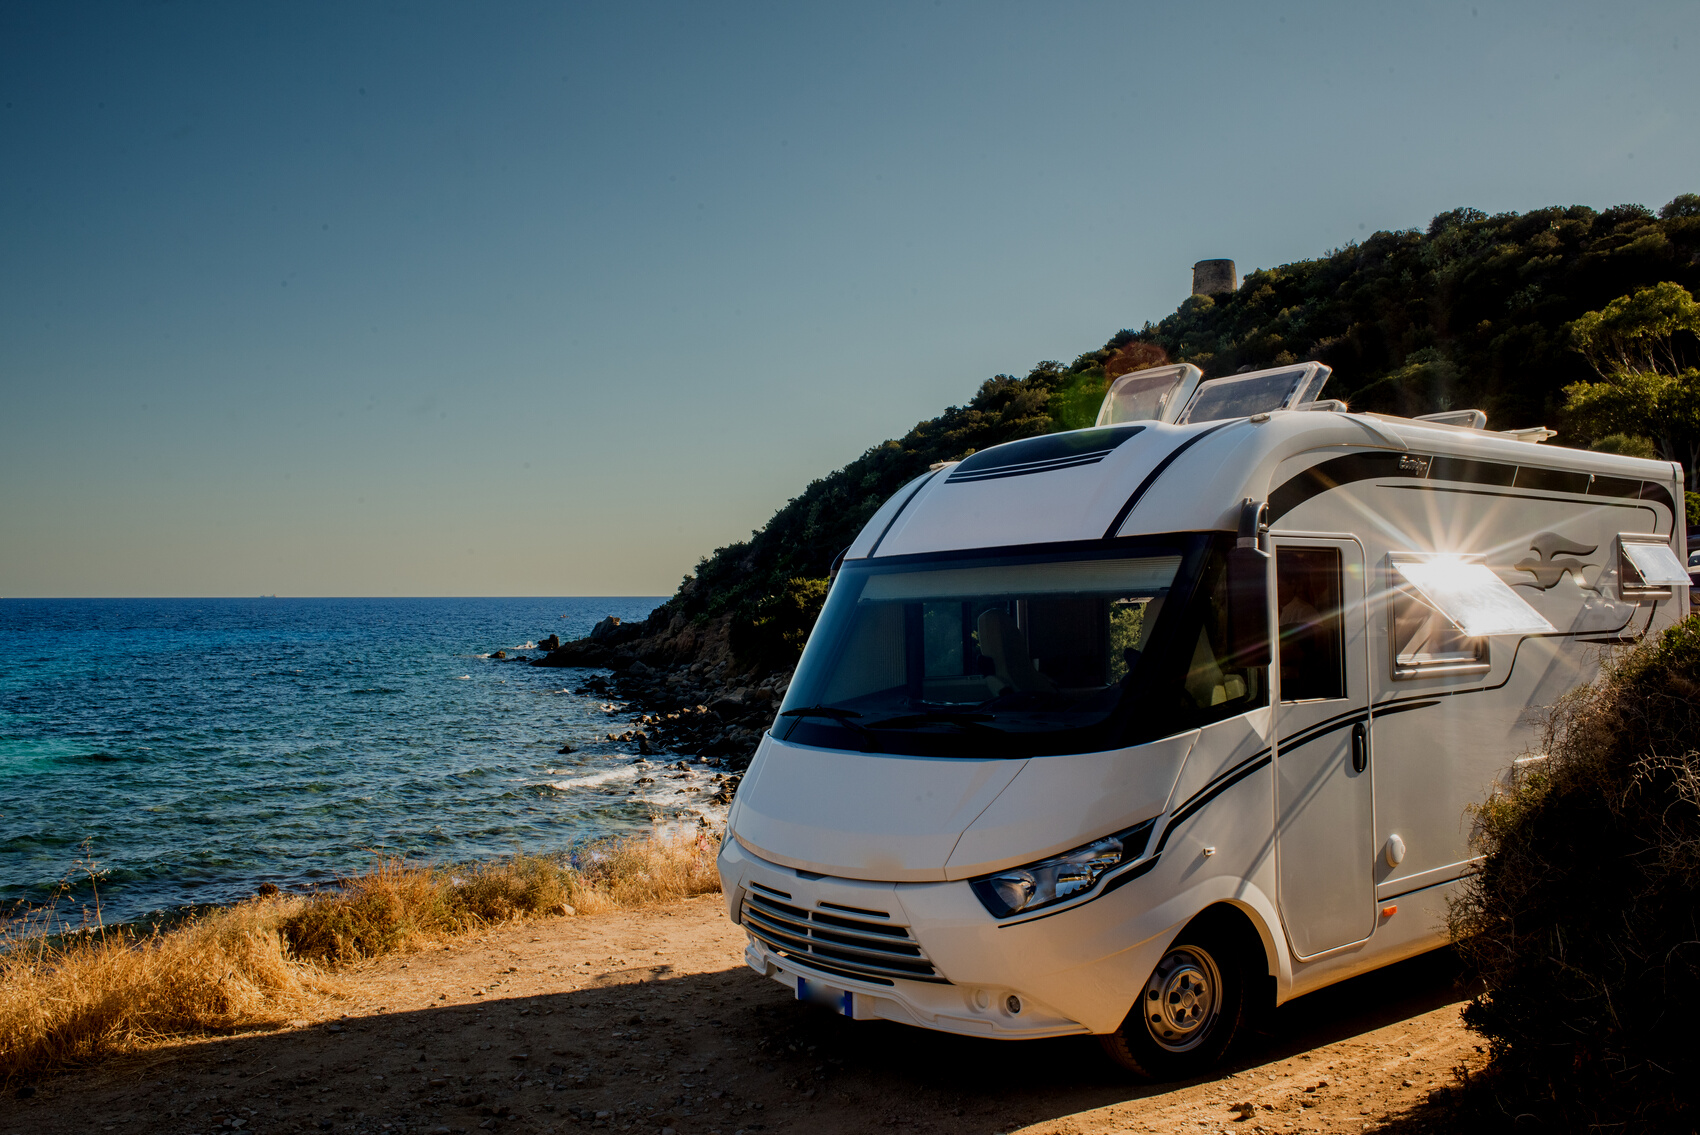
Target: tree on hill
point(1642, 347)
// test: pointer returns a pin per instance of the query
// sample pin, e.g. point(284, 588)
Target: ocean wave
point(608, 776)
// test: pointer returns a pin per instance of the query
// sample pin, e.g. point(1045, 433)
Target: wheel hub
point(1182, 998)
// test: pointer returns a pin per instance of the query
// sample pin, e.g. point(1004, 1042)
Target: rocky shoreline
point(680, 686)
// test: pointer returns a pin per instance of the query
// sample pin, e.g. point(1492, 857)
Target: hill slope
point(1471, 312)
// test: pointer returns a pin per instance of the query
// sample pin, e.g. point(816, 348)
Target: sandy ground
point(648, 1020)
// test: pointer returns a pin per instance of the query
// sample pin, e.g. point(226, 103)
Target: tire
point(1190, 1009)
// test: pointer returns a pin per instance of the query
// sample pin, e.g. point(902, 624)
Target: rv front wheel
point(1189, 1010)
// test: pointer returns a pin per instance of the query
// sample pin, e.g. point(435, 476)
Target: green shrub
point(774, 637)
point(1583, 920)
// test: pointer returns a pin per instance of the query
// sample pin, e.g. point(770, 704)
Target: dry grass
point(262, 961)
point(107, 992)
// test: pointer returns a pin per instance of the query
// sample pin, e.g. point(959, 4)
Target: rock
point(563, 909)
point(606, 630)
point(267, 890)
point(500, 654)
point(638, 667)
point(565, 749)
point(553, 642)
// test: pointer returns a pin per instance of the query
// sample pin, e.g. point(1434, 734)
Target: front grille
point(834, 943)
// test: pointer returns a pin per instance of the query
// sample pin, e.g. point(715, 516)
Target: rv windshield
point(1012, 655)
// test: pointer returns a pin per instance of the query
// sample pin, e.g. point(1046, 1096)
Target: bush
point(774, 637)
point(1583, 920)
point(1629, 445)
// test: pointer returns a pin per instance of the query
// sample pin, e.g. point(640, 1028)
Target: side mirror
point(1248, 593)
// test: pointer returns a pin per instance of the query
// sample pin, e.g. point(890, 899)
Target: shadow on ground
point(647, 1048)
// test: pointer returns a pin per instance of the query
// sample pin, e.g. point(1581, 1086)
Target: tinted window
point(987, 655)
point(1312, 625)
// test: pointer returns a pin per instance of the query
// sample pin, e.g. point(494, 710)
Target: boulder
point(553, 642)
point(606, 631)
point(580, 653)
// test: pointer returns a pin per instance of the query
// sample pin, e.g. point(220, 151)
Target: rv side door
point(1324, 764)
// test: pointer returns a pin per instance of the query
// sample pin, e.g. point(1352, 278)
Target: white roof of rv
point(1151, 477)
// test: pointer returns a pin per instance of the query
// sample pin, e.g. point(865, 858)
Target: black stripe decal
point(1187, 803)
point(899, 512)
point(1426, 886)
point(1401, 707)
point(1316, 732)
point(1151, 477)
point(1353, 467)
point(1251, 764)
point(998, 471)
point(1654, 491)
point(1598, 501)
point(1210, 794)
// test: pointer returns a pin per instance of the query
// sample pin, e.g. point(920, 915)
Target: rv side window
point(1307, 590)
point(1425, 642)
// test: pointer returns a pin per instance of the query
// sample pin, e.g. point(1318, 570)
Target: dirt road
point(648, 1021)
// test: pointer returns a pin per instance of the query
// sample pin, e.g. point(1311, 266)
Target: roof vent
point(1156, 394)
point(1241, 395)
point(1469, 419)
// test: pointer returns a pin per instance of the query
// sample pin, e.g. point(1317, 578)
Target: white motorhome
point(1128, 730)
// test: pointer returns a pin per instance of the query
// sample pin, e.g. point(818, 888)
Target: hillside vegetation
point(1474, 312)
point(1585, 918)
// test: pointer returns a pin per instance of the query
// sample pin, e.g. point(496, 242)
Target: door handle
point(1360, 746)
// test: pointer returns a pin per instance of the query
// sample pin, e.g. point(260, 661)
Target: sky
point(554, 299)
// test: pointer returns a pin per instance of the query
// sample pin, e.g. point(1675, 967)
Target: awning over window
point(1472, 597)
point(1656, 564)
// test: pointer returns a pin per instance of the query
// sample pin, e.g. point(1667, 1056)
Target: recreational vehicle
point(1130, 730)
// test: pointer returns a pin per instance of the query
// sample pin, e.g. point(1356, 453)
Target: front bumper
point(928, 954)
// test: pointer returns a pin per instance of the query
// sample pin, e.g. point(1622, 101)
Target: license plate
point(840, 1001)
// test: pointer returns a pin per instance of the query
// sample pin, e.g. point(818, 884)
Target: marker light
point(1061, 877)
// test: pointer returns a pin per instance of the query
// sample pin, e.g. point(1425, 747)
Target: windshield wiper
point(965, 720)
point(842, 716)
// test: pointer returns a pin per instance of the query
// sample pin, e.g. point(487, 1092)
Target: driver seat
point(1003, 642)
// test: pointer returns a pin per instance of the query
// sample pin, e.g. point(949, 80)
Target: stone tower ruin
point(1213, 277)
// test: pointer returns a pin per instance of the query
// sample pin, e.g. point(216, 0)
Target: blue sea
point(191, 749)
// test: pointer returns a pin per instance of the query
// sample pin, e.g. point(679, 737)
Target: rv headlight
point(1061, 877)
